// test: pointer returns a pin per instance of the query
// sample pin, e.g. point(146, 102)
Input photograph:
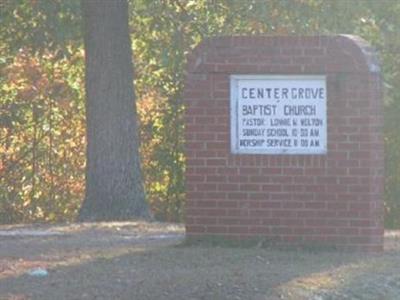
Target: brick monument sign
point(284, 141)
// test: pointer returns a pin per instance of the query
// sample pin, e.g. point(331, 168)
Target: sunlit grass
point(18, 267)
point(336, 278)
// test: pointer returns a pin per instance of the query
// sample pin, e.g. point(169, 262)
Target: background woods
point(42, 109)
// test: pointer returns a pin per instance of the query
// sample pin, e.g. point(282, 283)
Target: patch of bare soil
point(137, 260)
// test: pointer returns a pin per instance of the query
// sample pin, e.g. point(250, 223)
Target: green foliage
point(41, 90)
point(165, 31)
point(42, 137)
point(41, 25)
point(386, 38)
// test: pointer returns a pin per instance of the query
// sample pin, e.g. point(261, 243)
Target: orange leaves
point(32, 71)
point(160, 133)
point(42, 153)
point(24, 69)
point(39, 80)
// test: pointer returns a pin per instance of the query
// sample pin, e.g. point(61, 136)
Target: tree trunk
point(114, 189)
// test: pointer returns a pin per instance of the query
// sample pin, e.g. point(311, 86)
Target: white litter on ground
point(38, 272)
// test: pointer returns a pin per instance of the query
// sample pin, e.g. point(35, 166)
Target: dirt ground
point(138, 260)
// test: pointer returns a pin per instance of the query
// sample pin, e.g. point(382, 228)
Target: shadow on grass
point(95, 266)
point(168, 272)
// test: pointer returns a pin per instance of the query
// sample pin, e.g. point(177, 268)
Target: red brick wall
point(333, 199)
